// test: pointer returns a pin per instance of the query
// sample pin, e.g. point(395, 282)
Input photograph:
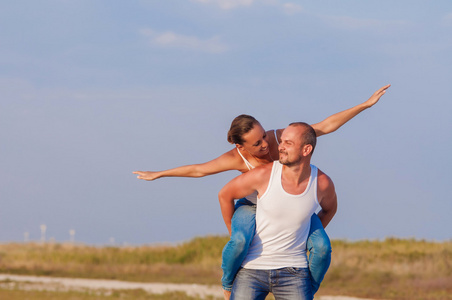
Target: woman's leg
point(242, 232)
point(319, 247)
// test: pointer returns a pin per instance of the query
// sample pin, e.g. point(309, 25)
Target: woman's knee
point(320, 244)
point(239, 241)
point(243, 222)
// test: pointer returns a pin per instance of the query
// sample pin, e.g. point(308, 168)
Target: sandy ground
point(65, 284)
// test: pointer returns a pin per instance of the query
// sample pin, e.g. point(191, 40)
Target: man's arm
point(240, 187)
point(326, 194)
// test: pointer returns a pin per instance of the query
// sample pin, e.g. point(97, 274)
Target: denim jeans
point(242, 232)
point(243, 227)
point(285, 283)
point(319, 248)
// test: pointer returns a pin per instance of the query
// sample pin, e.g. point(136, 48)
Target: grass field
point(389, 269)
point(16, 294)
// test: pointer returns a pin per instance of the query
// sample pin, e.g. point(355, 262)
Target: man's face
point(290, 148)
point(256, 141)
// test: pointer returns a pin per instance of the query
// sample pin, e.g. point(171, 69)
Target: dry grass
point(194, 262)
point(390, 269)
point(20, 294)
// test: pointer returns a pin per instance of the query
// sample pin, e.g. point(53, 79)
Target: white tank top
point(283, 221)
point(253, 197)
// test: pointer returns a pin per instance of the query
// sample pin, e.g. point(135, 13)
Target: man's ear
point(307, 149)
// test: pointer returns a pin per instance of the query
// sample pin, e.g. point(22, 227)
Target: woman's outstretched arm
point(334, 122)
point(227, 161)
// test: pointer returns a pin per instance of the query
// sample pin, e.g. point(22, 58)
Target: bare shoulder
point(264, 168)
point(259, 177)
point(324, 182)
point(231, 154)
point(326, 193)
point(233, 160)
point(261, 171)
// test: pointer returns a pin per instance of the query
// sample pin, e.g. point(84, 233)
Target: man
point(289, 192)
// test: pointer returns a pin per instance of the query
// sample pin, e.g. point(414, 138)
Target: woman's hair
point(239, 126)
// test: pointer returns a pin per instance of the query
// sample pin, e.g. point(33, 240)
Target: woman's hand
point(376, 96)
point(147, 175)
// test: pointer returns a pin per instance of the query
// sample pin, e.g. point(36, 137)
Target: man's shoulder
point(326, 192)
point(324, 181)
point(262, 169)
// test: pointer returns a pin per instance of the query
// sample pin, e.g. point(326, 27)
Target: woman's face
point(255, 141)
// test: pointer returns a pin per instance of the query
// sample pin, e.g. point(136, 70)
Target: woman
point(255, 147)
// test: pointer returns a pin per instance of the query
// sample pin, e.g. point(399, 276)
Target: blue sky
point(92, 91)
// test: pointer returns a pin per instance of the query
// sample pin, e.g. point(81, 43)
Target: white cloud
point(173, 40)
point(292, 8)
point(228, 4)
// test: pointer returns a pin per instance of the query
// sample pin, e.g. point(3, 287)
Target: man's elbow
point(333, 209)
point(327, 213)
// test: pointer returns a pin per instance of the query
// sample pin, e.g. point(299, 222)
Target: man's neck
point(297, 174)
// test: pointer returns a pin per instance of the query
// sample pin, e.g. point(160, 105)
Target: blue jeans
point(242, 232)
point(285, 283)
